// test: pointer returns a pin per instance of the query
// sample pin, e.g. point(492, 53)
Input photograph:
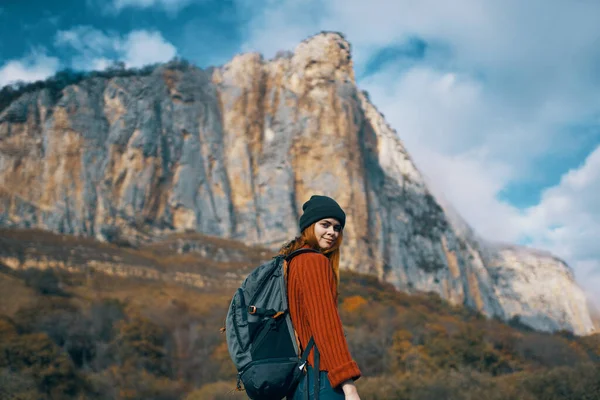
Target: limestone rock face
point(540, 289)
point(235, 151)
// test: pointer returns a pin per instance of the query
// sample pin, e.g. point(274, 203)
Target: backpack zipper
point(237, 331)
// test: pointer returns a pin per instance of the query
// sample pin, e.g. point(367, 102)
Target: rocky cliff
point(234, 152)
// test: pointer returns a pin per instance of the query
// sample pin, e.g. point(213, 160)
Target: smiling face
point(327, 232)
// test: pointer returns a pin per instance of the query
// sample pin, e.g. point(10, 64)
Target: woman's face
point(327, 231)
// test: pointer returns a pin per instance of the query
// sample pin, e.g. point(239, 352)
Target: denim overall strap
point(317, 382)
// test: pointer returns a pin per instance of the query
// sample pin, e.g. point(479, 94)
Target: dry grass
point(15, 294)
point(38, 242)
point(150, 296)
point(160, 255)
point(225, 244)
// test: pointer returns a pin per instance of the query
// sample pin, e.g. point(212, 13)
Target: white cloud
point(36, 66)
point(143, 47)
point(96, 49)
point(478, 114)
point(93, 48)
point(86, 39)
point(567, 221)
point(171, 6)
point(568, 215)
point(278, 25)
point(100, 64)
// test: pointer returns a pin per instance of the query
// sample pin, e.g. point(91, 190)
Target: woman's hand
point(350, 391)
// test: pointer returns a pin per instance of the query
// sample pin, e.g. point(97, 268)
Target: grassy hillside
point(87, 335)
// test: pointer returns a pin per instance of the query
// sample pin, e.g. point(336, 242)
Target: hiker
point(312, 289)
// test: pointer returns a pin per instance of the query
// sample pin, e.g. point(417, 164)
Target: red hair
point(309, 238)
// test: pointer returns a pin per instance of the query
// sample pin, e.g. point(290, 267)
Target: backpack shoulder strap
point(298, 252)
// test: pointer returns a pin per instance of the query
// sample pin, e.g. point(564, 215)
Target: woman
point(312, 283)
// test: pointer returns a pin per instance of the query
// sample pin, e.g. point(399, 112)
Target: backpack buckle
point(252, 309)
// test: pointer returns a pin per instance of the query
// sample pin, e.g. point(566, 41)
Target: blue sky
point(203, 32)
point(497, 102)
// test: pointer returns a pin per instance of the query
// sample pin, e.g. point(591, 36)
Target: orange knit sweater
point(312, 298)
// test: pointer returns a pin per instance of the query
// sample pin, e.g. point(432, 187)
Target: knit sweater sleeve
point(318, 285)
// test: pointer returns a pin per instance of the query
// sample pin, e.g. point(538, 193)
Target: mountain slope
point(234, 152)
point(79, 331)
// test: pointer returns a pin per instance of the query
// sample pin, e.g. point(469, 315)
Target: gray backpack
point(260, 336)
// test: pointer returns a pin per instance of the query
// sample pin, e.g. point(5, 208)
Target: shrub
point(35, 355)
point(44, 281)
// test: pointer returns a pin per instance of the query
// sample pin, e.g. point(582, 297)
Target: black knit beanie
point(318, 208)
